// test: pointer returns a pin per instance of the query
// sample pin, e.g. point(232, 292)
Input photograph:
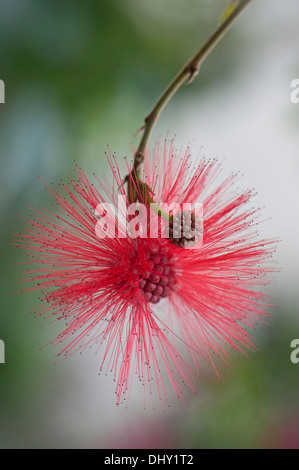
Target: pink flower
point(144, 298)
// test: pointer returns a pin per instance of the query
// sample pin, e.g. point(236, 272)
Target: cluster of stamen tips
point(157, 279)
point(184, 229)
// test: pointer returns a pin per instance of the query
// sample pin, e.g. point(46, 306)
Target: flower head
point(143, 297)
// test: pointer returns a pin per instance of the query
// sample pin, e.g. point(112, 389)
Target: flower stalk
point(187, 74)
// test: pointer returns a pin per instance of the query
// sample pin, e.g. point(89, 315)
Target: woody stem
point(187, 74)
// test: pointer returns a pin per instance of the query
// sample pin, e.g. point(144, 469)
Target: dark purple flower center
point(184, 230)
point(157, 279)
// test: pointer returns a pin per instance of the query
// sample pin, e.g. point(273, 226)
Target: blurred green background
point(81, 75)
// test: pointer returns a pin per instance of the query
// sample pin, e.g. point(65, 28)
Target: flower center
point(157, 279)
point(183, 229)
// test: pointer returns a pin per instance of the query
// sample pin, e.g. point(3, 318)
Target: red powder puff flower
point(145, 298)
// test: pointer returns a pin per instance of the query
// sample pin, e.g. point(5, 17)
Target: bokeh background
point(81, 75)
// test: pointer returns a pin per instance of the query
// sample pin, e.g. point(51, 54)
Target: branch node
point(139, 157)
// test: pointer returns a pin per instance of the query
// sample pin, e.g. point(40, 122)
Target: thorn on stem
point(193, 70)
point(140, 130)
